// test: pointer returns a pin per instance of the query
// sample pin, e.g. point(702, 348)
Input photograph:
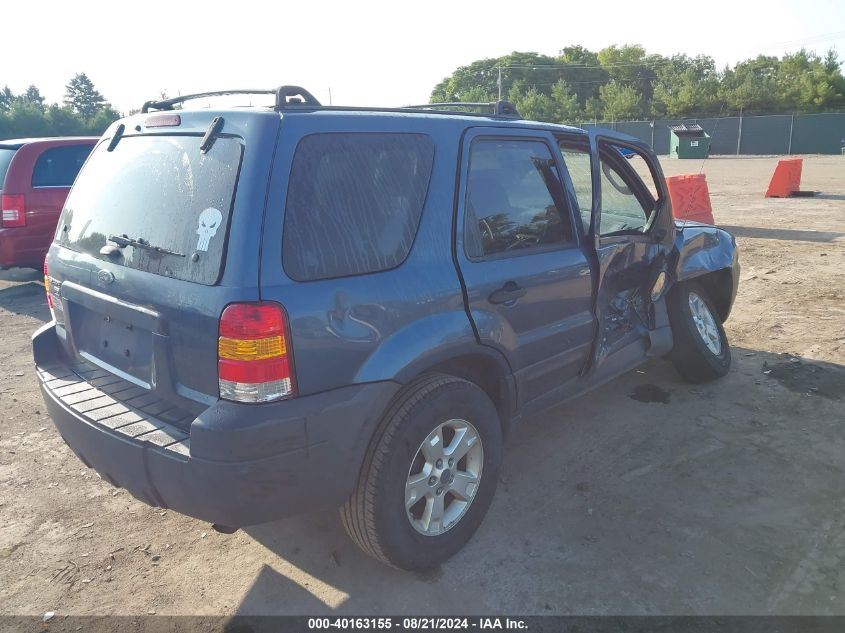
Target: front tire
point(701, 352)
point(429, 474)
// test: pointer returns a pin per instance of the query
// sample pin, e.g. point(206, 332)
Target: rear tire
point(400, 466)
point(701, 352)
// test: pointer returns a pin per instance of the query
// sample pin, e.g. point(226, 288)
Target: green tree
point(580, 68)
point(565, 105)
point(97, 124)
point(630, 66)
point(751, 86)
point(33, 97)
point(594, 109)
point(7, 98)
point(621, 103)
point(532, 104)
point(83, 98)
point(623, 82)
point(808, 82)
point(63, 121)
point(529, 69)
point(686, 86)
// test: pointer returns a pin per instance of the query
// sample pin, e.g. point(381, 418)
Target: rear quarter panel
point(382, 325)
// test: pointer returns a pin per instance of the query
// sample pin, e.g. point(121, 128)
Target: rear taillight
point(14, 210)
point(253, 353)
point(47, 285)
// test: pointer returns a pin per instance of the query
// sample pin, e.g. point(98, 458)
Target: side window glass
point(58, 167)
point(577, 160)
point(514, 199)
point(627, 201)
point(354, 203)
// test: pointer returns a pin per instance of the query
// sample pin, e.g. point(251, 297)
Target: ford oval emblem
point(105, 276)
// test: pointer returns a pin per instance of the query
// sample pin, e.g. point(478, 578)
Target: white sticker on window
point(208, 223)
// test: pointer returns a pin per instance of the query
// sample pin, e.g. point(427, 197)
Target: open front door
point(631, 226)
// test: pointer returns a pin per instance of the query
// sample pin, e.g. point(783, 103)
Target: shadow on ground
point(647, 496)
point(24, 294)
point(782, 234)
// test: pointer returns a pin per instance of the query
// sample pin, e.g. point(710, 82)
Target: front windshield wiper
point(123, 241)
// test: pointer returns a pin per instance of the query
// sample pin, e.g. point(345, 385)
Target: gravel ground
point(648, 496)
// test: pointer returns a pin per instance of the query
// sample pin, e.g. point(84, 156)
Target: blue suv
point(262, 311)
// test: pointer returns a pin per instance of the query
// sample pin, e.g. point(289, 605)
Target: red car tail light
point(14, 210)
point(47, 285)
point(253, 353)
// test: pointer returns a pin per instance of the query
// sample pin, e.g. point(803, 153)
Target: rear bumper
point(16, 248)
point(236, 464)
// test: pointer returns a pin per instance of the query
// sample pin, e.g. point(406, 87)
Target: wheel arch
point(483, 369)
point(708, 255)
point(720, 290)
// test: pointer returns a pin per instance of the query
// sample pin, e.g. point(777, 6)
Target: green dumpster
point(688, 141)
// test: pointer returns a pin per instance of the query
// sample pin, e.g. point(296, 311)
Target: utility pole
point(739, 136)
point(330, 96)
point(500, 83)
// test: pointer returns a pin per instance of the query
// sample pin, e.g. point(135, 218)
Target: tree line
point(84, 112)
point(624, 83)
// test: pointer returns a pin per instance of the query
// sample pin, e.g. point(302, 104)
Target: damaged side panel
point(624, 308)
point(700, 250)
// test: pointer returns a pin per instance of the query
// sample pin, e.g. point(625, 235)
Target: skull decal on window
point(208, 223)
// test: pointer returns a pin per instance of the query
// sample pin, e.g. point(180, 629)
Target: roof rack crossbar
point(498, 108)
point(285, 96)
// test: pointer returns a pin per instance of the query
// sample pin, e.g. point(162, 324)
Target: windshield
point(6, 154)
point(161, 191)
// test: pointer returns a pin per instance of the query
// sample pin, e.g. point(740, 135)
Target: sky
point(367, 52)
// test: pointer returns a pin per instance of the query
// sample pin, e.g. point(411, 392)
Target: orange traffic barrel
point(787, 178)
point(690, 198)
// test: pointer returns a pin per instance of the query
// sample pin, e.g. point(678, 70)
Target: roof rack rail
point(504, 109)
point(285, 96)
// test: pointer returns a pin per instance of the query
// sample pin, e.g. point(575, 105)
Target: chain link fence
point(774, 134)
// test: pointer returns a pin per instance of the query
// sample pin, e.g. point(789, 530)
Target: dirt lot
point(725, 499)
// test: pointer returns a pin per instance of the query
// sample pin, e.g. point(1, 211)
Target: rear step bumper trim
point(238, 465)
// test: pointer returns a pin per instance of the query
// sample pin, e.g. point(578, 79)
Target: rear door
point(526, 269)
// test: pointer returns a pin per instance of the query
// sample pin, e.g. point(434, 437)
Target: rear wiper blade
point(211, 134)
point(123, 241)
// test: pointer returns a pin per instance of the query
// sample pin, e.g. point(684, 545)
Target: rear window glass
point(6, 156)
point(354, 203)
point(160, 190)
point(58, 166)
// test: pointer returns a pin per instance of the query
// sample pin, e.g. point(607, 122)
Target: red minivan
point(35, 178)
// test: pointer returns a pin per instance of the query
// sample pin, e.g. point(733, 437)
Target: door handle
point(507, 294)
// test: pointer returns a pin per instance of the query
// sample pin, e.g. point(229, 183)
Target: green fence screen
point(776, 134)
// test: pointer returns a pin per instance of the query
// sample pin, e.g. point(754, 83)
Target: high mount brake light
point(253, 353)
point(163, 120)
